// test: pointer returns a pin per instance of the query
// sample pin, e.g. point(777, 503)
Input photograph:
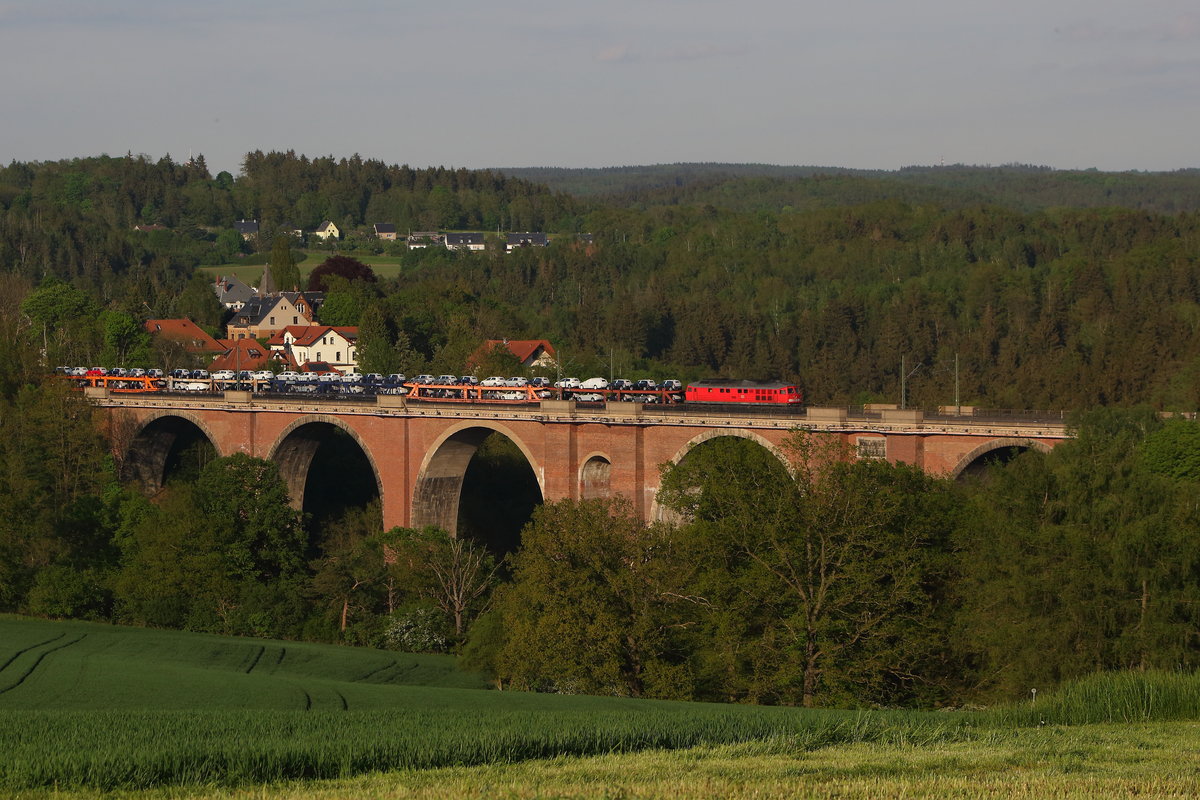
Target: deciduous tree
point(597, 605)
point(818, 584)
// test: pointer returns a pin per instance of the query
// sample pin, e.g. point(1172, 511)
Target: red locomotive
point(756, 392)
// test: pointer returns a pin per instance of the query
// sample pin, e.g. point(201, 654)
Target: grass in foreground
point(101, 708)
point(1097, 761)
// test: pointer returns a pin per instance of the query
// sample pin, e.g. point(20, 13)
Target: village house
point(248, 228)
point(532, 353)
point(419, 239)
point(385, 231)
point(233, 292)
point(327, 230)
point(464, 241)
point(309, 344)
point(261, 317)
point(246, 354)
point(190, 336)
point(515, 240)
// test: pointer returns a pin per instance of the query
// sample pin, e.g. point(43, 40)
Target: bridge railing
point(997, 414)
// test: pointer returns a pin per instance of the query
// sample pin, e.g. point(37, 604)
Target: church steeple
point(266, 286)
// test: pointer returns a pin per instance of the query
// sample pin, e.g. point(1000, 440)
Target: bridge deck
point(843, 420)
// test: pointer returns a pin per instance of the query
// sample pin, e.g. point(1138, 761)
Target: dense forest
point(1054, 308)
point(753, 187)
point(1022, 287)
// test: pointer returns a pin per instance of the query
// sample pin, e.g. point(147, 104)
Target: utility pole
point(904, 376)
point(957, 404)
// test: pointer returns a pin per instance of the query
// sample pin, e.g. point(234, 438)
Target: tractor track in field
point(37, 662)
point(374, 672)
point(254, 661)
point(17, 654)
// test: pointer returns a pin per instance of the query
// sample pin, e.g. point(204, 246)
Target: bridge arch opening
point(735, 452)
point(328, 471)
point(595, 478)
point(480, 482)
point(997, 452)
point(170, 447)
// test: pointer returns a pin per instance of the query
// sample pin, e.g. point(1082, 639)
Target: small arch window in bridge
point(872, 447)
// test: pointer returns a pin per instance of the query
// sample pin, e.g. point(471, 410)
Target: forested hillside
point(751, 187)
point(1055, 308)
point(833, 281)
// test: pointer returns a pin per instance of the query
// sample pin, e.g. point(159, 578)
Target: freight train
point(445, 388)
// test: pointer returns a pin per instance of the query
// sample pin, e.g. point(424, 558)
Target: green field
point(384, 266)
point(96, 708)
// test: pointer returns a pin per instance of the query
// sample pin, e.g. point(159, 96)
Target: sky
point(873, 84)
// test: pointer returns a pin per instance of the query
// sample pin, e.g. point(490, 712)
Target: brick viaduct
point(419, 452)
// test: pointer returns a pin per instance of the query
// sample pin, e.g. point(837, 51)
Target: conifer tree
point(283, 267)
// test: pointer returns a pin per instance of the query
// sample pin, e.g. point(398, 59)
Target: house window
point(272, 320)
point(295, 321)
point(337, 356)
point(872, 447)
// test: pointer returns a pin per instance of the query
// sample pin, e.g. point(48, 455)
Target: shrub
point(417, 628)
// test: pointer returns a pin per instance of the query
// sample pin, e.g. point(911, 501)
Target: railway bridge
point(419, 451)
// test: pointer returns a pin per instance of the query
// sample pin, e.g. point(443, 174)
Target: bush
point(417, 628)
point(63, 592)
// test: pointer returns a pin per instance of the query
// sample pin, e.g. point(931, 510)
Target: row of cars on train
point(466, 388)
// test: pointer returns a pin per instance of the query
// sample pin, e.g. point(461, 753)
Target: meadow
point(384, 266)
point(90, 708)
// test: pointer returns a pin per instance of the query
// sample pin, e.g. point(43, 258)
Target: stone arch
point(439, 483)
point(737, 433)
point(977, 453)
point(144, 458)
point(297, 445)
point(595, 477)
point(658, 513)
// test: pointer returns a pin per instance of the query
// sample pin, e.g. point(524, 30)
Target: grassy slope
point(78, 665)
point(105, 708)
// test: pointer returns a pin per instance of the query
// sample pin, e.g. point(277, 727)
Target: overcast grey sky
point(1113, 84)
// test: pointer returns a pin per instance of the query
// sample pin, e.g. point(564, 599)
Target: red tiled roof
point(523, 349)
point(305, 335)
point(193, 337)
point(318, 366)
point(242, 354)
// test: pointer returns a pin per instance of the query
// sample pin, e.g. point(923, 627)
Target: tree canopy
point(351, 269)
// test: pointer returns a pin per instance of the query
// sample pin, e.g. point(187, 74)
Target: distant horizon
point(237, 170)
